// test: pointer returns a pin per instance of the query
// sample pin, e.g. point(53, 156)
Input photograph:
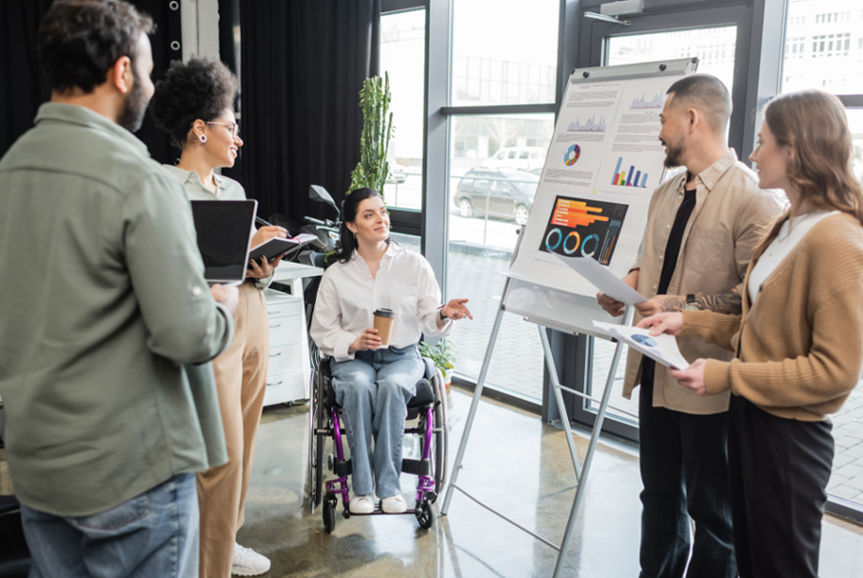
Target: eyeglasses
point(231, 126)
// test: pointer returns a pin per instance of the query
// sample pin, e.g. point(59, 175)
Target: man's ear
point(120, 75)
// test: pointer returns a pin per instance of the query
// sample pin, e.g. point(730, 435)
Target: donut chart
point(572, 155)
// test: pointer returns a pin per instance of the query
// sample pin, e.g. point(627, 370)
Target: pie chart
point(572, 154)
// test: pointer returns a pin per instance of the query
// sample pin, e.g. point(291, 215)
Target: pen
point(260, 221)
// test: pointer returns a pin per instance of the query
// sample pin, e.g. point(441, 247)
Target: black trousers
point(684, 469)
point(779, 472)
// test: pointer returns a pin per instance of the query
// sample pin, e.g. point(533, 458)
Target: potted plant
point(373, 169)
point(441, 354)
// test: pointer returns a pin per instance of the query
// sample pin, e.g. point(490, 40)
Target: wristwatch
point(442, 316)
point(690, 304)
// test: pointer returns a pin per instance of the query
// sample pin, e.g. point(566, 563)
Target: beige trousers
point(241, 380)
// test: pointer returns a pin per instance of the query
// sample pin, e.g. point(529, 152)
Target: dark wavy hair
point(347, 241)
point(199, 89)
point(80, 40)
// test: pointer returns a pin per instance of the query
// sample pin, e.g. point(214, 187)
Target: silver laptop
point(224, 229)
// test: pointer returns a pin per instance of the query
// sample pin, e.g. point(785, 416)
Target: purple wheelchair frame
point(339, 485)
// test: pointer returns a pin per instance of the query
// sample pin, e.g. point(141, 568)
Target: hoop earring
point(202, 138)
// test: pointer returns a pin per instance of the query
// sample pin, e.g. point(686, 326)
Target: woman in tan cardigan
point(798, 341)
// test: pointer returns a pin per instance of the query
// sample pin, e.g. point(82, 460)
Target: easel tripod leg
point(591, 448)
point(477, 394)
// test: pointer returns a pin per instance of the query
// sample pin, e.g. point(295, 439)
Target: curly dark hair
point(80, 40)
point(199, 89)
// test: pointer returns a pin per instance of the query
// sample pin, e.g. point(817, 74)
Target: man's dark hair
point(199, 89)
point(80, 40)
point(706, 93)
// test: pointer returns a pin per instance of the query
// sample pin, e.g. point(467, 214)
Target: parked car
point(524, 158)
point(502, 193)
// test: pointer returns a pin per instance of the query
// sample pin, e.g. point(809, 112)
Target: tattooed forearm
point(673, 303)
point(726, 302)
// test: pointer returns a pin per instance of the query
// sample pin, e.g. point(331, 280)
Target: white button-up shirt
point(348, 296)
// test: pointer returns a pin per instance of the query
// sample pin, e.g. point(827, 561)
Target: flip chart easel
point(581, 206)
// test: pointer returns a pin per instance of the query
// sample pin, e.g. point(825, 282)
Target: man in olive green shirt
point(103, 301)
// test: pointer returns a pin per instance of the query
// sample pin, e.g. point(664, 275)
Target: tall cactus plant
point(373, 169)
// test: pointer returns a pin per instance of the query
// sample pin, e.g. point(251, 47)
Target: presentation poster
point(604, 162)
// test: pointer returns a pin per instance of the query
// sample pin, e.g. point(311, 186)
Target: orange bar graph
point(572, 214)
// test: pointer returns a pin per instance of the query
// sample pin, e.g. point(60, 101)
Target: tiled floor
point(514, 463)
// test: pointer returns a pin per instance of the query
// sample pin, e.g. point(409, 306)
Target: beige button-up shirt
point(730, 217)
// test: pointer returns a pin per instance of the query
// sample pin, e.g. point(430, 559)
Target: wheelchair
point(426, 420)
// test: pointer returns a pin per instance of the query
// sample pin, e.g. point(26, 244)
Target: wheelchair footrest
point(342, 468)
point(415, 467)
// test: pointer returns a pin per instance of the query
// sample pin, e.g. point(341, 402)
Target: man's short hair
point(706, 93)
point(80, 40)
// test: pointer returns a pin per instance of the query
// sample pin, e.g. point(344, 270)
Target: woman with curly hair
point(798, 341)
point(194, 105)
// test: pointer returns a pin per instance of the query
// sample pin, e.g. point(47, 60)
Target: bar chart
point(632, 178)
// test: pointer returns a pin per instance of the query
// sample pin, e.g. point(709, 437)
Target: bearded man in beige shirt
point(703, 225)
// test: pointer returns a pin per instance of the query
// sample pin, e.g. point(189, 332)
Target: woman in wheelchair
point(373, 382)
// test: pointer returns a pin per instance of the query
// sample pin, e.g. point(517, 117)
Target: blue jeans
point(153, 534)
point(373, 390)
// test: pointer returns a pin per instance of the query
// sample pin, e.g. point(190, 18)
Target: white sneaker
point(394, 505)
point(362, 505)
point(247, 562)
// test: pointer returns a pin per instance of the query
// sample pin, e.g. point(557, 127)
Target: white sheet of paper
point(661, 348)
point(603, 279)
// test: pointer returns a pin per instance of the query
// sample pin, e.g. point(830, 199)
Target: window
point(502, 54)
point(828, 52)
point(402, 48)
point(714, 48)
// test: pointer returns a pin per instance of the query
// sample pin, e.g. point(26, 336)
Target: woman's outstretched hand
point(455, 309)
point(369, 339)
point(670, 323)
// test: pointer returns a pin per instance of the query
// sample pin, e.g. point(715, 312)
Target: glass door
point(718, 38)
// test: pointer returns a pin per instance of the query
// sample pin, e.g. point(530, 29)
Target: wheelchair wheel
point(329, 513)
point(440, 437)
point(318, 421)
point(425, 514)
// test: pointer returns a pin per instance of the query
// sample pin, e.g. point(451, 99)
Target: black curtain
point(302, 65)
point(23, 88)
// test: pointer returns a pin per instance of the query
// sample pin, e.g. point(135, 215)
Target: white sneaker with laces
point(362, 505)
point(394, 505)
point(247, 562)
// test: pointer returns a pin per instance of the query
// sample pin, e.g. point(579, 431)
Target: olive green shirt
point(103, 300)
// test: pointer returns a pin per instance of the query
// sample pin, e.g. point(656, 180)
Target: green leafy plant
point(441, 354)
point(373, 169)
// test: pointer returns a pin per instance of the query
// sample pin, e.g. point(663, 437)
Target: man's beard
point(674, 155)
point(135, 105)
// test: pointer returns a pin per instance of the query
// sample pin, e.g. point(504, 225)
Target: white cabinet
point(288, 371)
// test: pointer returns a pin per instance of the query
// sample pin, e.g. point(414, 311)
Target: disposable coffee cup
point(384, 324)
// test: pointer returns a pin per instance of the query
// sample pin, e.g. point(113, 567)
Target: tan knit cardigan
point(799, 348)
